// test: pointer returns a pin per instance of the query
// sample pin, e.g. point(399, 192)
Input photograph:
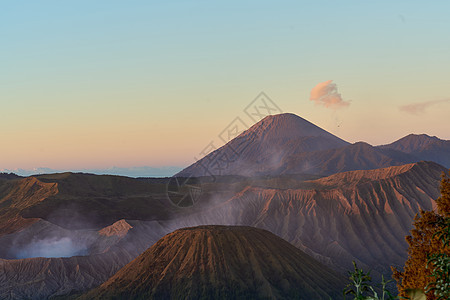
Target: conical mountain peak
point(263, 147)
point(288, 126)
point(222, 262)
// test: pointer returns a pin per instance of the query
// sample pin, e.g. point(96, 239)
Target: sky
point(101, 84)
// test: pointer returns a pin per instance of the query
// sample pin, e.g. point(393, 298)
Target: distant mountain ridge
point(143, 171)
point(287, 144)
point(423, 147)
point(358, 156)
point(413, 143)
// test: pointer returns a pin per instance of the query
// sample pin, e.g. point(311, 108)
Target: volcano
point(222, 262)
point(262, 148)
point(287, 144)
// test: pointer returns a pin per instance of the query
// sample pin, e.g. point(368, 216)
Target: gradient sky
point(95, 84)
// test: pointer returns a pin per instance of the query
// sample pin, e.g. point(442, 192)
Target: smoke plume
point(326, 94)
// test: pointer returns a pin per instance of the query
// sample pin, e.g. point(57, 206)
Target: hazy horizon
point(129, 171)
point(139, 171)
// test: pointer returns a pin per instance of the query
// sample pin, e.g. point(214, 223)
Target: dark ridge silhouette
point(9, 176)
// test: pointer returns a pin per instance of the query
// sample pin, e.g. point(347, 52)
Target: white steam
point(52, 247)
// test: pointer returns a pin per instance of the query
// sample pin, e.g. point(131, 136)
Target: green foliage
point(440, 265)
point(359, 283)
point(385, 293)
point(360, 286)
point(440, 272)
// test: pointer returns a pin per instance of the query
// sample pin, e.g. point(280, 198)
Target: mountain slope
point(40, 278)
point(261, 148)
point(412, 143)
point(222, 262)
point(105, 252)
point(358, 156)
point(80, 201)
point(17, 195)
point(287, 144)
point(423, 147)
point(356, 215)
